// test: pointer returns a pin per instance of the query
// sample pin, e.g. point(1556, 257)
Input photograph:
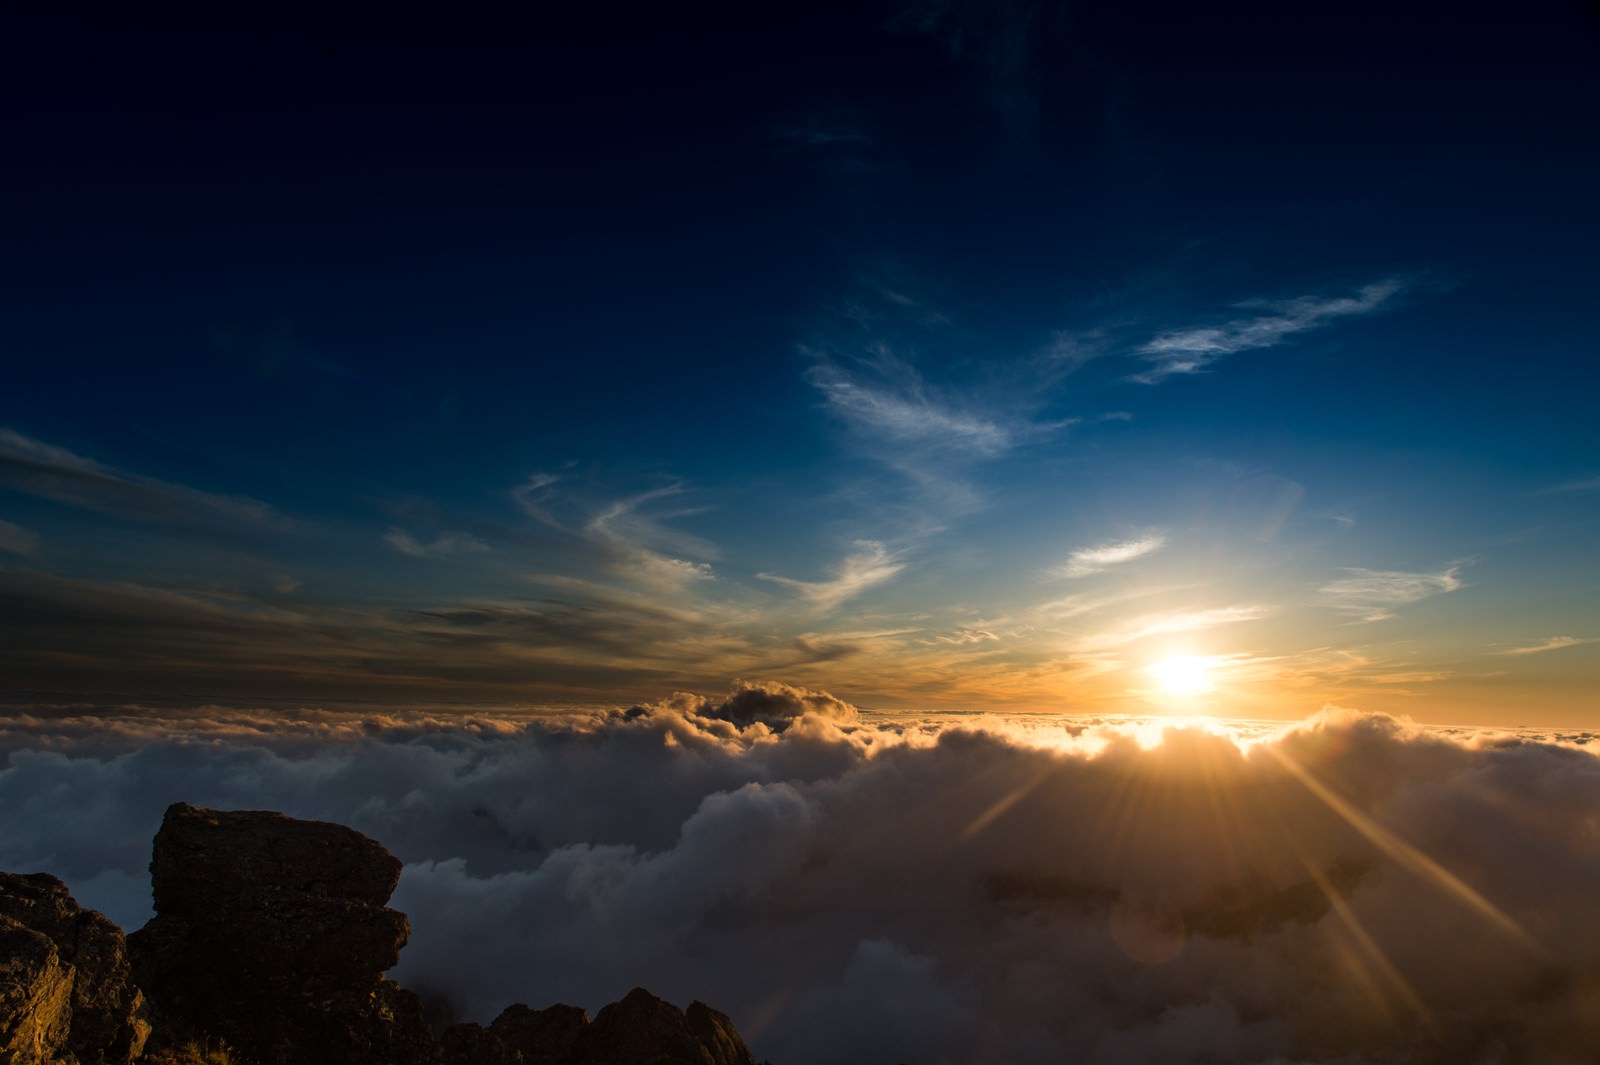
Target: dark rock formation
point(643, 1030)
point(271, 938)
point(271, 934)
point(65, 994)
point(639, 1030)
point(542, 1037)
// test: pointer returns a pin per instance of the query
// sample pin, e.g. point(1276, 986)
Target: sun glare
point(1183, 675)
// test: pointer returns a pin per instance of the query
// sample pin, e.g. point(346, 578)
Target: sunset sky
point(941, 355)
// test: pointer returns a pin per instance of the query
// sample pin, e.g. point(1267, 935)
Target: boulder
point(271, 934)
point(65, 990)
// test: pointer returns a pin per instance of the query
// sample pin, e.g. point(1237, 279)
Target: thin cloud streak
point(908, 415)
point(440, 547)
point(1375, 595)
point(1168, 624)
point(17, 540)
point(1090, 560)
point(1192, 350)
point(870, 565)
point(1587, 484)
point(55, 473)
point(1553, 643)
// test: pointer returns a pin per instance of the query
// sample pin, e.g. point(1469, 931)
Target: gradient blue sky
point(940, 355)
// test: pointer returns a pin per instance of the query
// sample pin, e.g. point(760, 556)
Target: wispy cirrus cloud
point(55, 473)
point(1585, 484)
point(16, 540)
point(627, 537)
point(1090, 560)
point(1552, 643)
point(644, 549)
point(1166, 624)
point(441, 546)
point(814, 131)
point(869, 565)
point(909, 413)
point(1191, 350)
point(1002, 40)
point(1375, 595)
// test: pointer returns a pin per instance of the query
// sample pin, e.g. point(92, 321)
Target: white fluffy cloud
point(851, 888)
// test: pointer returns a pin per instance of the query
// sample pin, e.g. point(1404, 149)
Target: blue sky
point(940, 355)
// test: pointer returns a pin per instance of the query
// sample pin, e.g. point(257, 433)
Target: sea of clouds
point(862, 888)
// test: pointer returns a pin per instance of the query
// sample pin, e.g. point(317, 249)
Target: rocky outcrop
point(65, 993)
point(639, 1030)
point(271, 938)
point(271, 933)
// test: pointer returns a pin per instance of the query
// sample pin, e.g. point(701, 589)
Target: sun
point(1183, 675)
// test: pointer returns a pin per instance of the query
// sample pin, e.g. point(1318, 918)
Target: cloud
point(1553, 643)
point(440, 547)
point(1586, 484)
point(1192, 350)
point(1089, 560)
point(1000, 38)
point(533, 495)
point(1375, 595)
point(637, 542)
point(1165, 624)
point(909, 414)
point(54, 473)
point(957, 889)
point(18, 541)
point(869, 565)
point(627, 538)
point(814, 132)
point(770, 702)
point(83, 639)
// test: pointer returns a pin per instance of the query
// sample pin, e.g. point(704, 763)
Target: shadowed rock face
point(65, 994)
point(272, 934)
point(639, 1030)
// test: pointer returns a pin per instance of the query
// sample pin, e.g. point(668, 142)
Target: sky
point(943, 355)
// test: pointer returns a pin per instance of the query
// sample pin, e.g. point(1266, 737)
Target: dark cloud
point(768, 702)
point(1001, 38)
point(960, 889)
point(168, 644)
point(55, 473)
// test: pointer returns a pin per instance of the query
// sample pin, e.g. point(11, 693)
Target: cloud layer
point(957, 890)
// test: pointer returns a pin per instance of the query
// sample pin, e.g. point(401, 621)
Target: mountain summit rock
point(272, 936)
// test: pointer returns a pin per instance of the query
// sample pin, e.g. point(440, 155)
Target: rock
point(271, 934)
point(717, 1034)
point(644, 1030)
point(35, 996)
point(473, 1044)
point(65, 988)
point(269, 944)
point(639, 1030)
point(541, 1037)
